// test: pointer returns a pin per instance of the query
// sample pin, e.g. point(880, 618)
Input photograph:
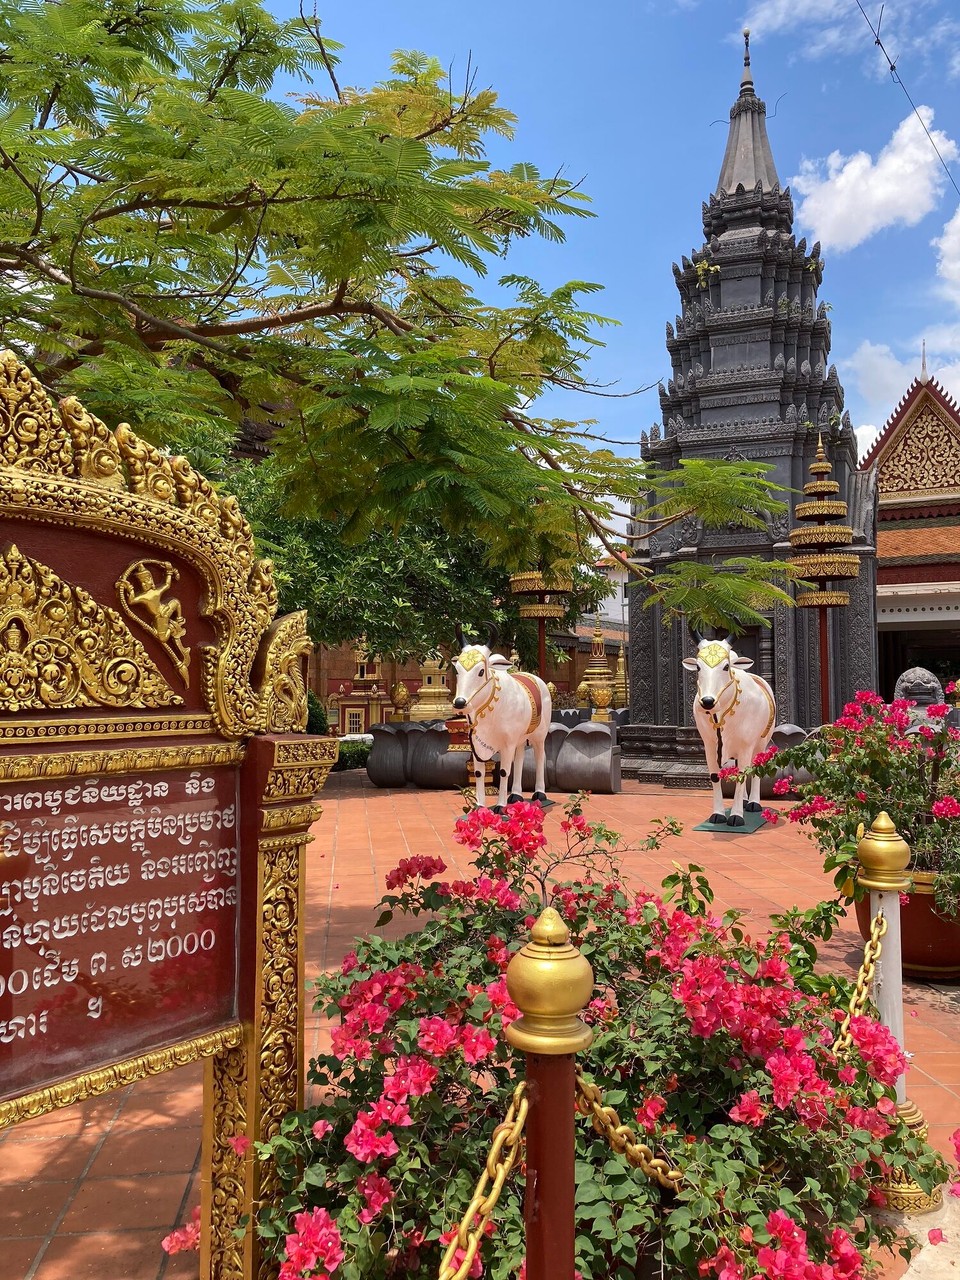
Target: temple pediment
point(918, 453)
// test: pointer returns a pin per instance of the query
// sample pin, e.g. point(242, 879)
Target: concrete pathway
point(86, 1193)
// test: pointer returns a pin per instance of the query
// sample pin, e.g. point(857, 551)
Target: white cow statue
point(505, 709)
point(734, 711)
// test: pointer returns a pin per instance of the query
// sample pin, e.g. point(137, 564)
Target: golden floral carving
point(294, 784)
point(301, 766)
point(298, 815)
point(66, 468)
point(22, 730)
point(923, 459)
point(280, 1049)
point(285, 646)
point(231, 1199)
point(822, 599)
point(143, 589)
point(820, 508)
point(828, 564)
point(310, 750)
point(105, 1079)
point(95, 453)
point(28, 436)
point(60, 649)
point(81, 764)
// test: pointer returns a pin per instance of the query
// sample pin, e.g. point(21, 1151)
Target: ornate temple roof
point(917, 454)
point(748, 159)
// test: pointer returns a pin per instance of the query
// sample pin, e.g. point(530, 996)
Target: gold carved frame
point(61, 466)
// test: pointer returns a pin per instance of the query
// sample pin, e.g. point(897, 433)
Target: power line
point(897, 79)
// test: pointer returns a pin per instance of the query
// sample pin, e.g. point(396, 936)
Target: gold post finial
point(550, 982)
point(883, 856)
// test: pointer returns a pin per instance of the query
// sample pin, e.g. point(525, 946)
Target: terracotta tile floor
point(89, 1191)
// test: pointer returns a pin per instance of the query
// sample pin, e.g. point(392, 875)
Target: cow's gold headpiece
point(469, 658)
point(714, 653)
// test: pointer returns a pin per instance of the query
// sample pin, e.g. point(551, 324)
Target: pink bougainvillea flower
point(377, 1193)
point(437, 1036)
point(413, 1077)
point(870, 1119)
point(410, 869)
point(936, 1236)
point(650, 1112)
point(723, 1265)
point(184, 1238)
point(946, 807)
point(321, 1128)
point(879, 1049)
point(749, 1110)
point(313, 1248)
point(476, 1267)
point(477, 1043)
point(241, 1144)
point(365, 1143)
point(955, 1140)
point(388, 1111)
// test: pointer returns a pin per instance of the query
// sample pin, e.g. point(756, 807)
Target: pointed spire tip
point(746, 81)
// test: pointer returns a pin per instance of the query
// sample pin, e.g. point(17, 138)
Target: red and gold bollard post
point(884, 856)
point(550, 982)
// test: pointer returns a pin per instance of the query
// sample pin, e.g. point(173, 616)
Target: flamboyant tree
point(185, 246)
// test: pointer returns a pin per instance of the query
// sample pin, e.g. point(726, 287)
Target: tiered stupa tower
point(751, 379)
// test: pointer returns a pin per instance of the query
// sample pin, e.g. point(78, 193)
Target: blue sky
point(634, 98)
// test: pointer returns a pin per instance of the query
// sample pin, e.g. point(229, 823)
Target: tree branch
point(312, 26)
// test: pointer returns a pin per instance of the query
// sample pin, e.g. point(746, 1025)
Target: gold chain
point(861, 994)
point(622, 1138)
point(503, 1155)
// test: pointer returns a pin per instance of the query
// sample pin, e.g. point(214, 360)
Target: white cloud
point(912, 30)
point(865, 438)
point(948, 258)
point(879, 376)
point(830, 19)
point(847, 199)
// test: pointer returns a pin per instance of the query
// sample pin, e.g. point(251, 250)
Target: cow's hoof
point(735, 820)
point(752, 807)
point(497, 808)
point(514, 798)
point(540, 797)
point(718, 818)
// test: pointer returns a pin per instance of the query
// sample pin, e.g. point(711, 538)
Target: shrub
point(317, 721)
point(353, 755)
point(716, 1047)
point(878, 756)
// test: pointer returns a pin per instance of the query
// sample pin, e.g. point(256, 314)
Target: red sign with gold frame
point(156, 792)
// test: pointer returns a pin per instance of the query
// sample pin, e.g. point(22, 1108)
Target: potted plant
point(879, 756)
point(716, 1049)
